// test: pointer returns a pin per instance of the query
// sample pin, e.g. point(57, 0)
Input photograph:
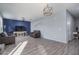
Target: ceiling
point(34, 10)
point(20, 10)
point(74, 10)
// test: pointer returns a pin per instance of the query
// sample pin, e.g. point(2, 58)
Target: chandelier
point(47, 11)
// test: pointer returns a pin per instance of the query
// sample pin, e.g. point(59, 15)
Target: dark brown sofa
point(35, 34)
point(7, 40)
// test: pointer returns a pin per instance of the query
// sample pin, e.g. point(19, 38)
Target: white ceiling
point(33, 10)
point(19, 10)
point(74, 10)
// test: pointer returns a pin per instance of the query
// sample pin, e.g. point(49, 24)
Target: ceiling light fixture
point(47, 11)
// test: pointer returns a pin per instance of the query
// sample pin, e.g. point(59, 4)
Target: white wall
point(1, 25)
point(70, 26)
point(77, 23)
point(53, 27)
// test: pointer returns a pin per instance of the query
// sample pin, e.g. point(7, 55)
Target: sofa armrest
point(8, 39)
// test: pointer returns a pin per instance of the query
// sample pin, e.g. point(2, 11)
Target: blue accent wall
point(9, 25)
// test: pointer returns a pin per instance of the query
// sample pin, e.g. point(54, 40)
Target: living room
point(34, 28)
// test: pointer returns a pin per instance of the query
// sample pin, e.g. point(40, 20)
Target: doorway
point(71, 24)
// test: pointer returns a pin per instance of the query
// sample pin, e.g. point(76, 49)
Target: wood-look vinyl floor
point(39, 46)
point(43, 47)
point(73, 47)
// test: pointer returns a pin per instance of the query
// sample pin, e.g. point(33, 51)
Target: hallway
point(73, 47)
